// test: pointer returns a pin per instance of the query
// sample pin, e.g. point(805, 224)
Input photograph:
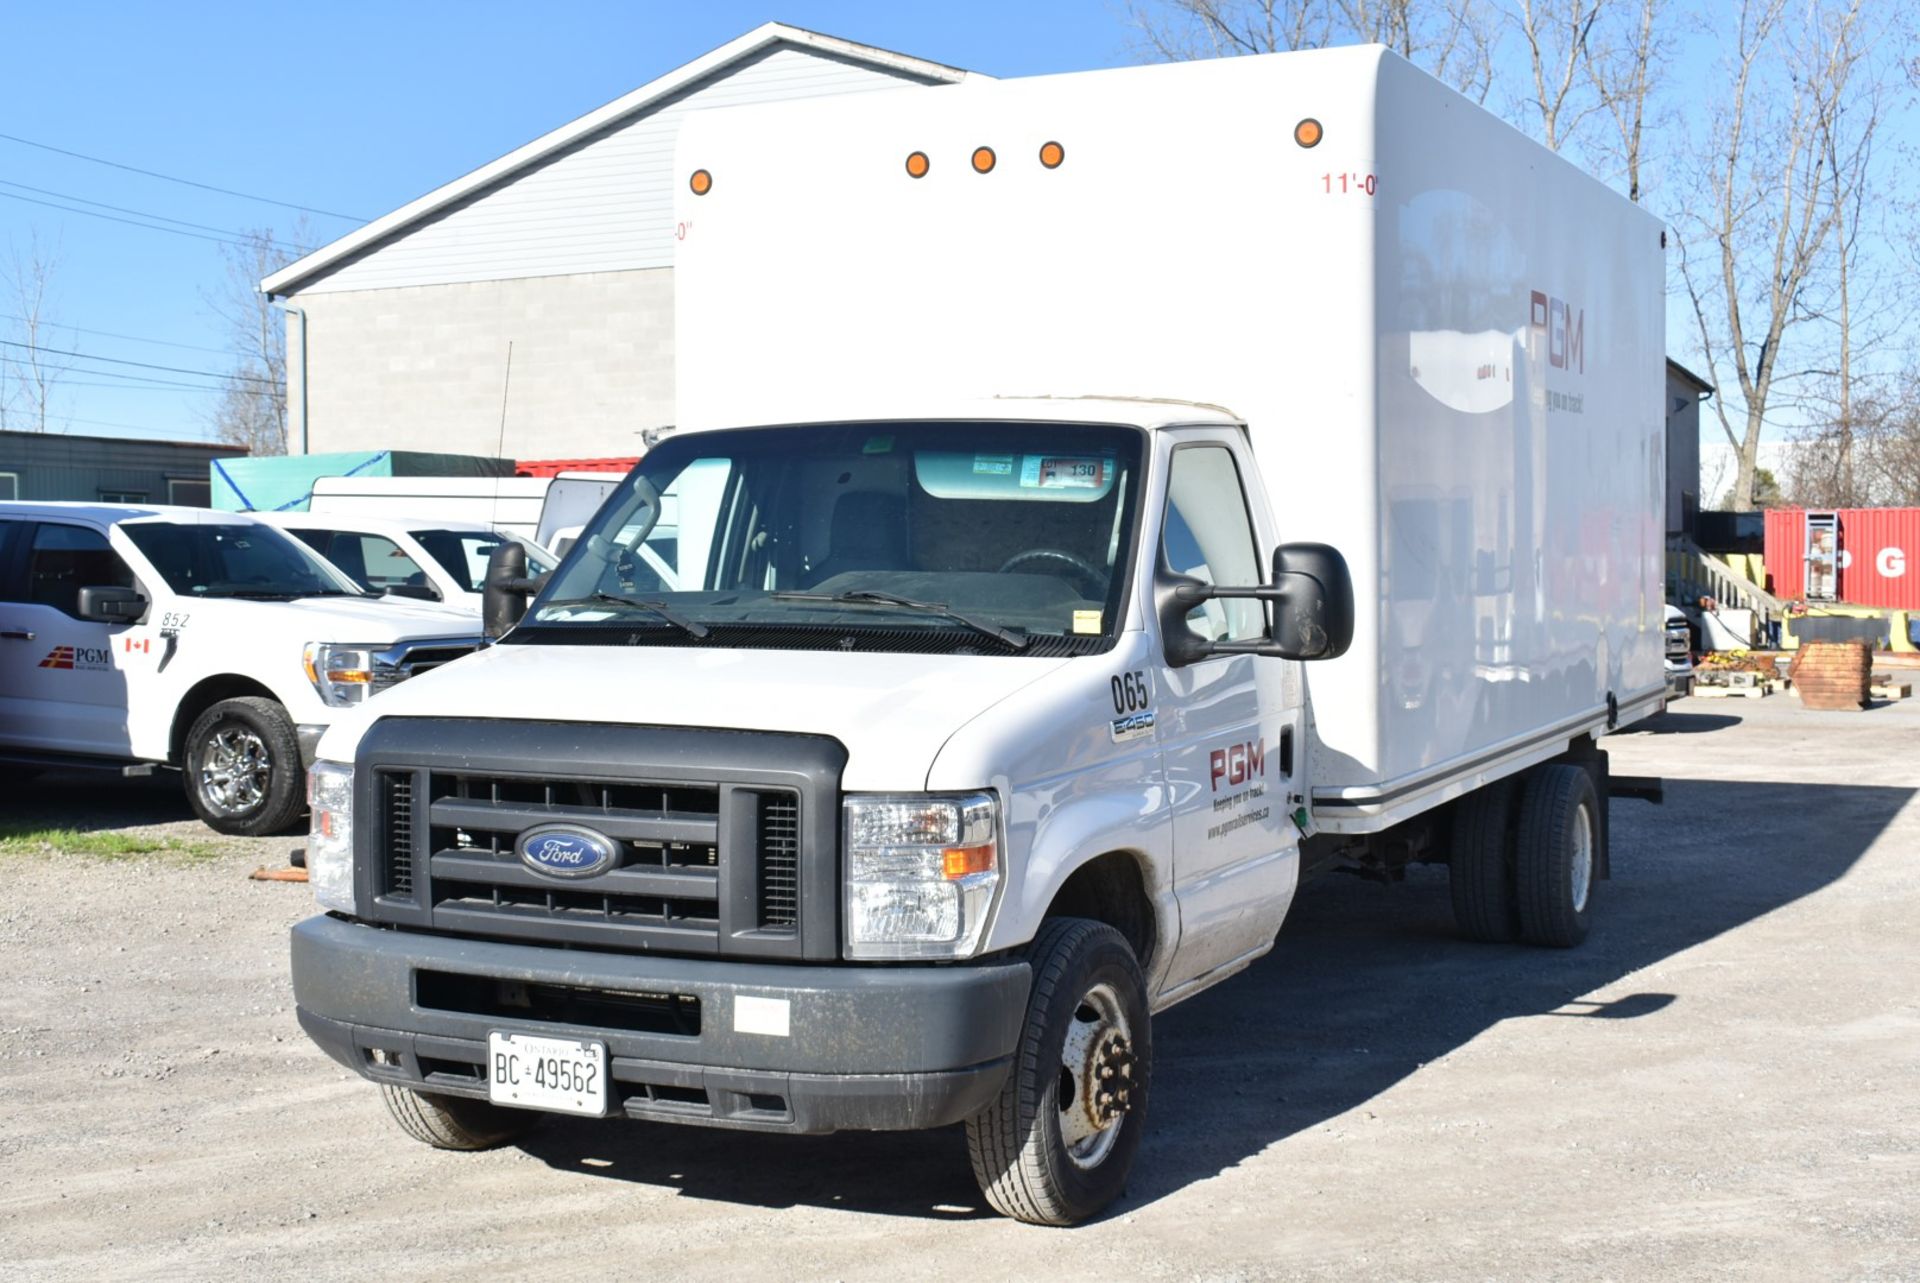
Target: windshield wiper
point(660, 608)
point(873, 597)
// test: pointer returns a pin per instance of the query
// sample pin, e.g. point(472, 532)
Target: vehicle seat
point(868, 532)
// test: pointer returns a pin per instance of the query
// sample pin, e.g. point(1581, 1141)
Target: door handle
point(16, 634)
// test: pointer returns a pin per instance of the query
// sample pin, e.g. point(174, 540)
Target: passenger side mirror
point(508, 589)
point(111, 605)
point(1310, 602)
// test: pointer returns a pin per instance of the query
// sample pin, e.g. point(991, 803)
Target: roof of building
point(1674, 367)
point(76, 438)
point(619, 110)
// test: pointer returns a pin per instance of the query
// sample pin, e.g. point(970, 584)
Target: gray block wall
point(423, 367)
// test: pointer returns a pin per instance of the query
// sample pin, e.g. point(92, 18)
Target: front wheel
point(242, 765)
point(1055, 1146)
point(455, 1122)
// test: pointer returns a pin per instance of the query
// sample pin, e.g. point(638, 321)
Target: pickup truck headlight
point(330, 841)
point(344, 675)
point(921, 874)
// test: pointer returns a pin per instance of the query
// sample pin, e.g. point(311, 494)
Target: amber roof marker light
point(701, 182)
point(983, 159)
point(918, 164)
point(1308, 132)
point(1052, 154)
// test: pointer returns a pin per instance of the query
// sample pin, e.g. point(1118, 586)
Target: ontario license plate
point(561, 1074)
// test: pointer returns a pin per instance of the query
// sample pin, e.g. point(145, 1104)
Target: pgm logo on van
point(1235, 765)
point(1564, 328)
point(86, 658)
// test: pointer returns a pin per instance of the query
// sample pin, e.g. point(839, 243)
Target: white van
point(132, 636)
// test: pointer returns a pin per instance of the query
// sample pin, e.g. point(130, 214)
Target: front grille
point(721, 842)
point(410, 659)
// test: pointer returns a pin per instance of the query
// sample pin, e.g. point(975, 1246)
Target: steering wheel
point(1095, 582)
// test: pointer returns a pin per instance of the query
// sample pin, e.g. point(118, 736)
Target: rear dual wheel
point(1523, 859)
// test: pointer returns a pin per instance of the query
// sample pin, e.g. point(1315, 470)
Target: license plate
point(561, 1074)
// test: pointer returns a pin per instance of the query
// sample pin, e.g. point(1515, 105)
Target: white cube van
point(134, 636)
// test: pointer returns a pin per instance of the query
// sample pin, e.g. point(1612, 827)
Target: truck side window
point(66, 559)
point(1207, 535)
point(374, 561)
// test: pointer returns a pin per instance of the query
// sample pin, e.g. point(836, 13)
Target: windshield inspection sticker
point(1132, 727)
point(1055, 472)
point(1086, 622)
point(993, 465)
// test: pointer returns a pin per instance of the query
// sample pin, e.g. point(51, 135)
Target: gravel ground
point(1724, 1082)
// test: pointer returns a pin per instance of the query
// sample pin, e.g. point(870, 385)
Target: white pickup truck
point(135, 636)
point(1099, 502)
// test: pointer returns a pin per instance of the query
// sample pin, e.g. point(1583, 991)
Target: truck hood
point(345, 619)
point(891, 712)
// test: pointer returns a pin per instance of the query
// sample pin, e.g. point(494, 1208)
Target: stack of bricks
point(1833, 675)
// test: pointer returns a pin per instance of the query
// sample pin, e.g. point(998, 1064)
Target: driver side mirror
point(1310, 604)
point(507, 590)
point(111, 605)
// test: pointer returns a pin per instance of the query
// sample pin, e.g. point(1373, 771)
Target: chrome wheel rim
point(235, 770)
point(1096, 1076)
point(1582, 858)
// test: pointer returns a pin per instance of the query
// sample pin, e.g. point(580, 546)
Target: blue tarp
point(284, 483)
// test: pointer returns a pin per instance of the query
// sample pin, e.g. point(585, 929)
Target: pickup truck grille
point(731, 855)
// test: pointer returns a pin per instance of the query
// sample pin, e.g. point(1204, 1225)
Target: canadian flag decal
point(138, 643)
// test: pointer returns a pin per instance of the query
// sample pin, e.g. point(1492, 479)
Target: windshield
point(988, 537)
point(464, 553)
point(235, 560)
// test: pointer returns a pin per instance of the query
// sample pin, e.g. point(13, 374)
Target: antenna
point(500, 445)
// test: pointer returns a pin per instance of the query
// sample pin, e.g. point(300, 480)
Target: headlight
point(344, 675)
point(330, 841)
point(921, 874)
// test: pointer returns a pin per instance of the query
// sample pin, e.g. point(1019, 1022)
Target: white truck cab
point(1098, 502)
point(132, 636)
point(430, 560)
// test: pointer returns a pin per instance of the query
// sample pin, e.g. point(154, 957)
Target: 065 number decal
point(1130, 693)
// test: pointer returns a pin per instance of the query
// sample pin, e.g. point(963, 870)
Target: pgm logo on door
point(1236, 765)
point(86, 658)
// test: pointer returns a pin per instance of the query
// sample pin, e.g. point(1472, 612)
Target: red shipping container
point(1879, 555)
point(554, 467)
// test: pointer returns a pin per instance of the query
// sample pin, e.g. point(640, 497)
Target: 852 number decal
point(1130, 693)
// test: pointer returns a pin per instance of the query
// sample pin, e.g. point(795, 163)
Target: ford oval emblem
point(566, 851)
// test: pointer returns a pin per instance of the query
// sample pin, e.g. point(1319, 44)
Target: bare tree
point(1557, 34)
point(1453, 39)
point(1624, 60)
point(252, 409)
point(1765, 212)
point(28, 380)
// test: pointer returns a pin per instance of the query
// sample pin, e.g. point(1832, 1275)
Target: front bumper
point(865, 1048)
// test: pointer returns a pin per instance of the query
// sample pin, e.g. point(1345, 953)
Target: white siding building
point(398, 333)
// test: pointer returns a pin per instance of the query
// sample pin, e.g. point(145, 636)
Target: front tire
point(455, 1122)
point(1557, 854)
point(1056, 1145)
point(242, 764)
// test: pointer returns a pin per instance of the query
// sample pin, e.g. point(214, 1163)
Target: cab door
point(62, 687)
point(1230, 725)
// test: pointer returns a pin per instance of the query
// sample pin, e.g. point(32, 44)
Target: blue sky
point(356, 108)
